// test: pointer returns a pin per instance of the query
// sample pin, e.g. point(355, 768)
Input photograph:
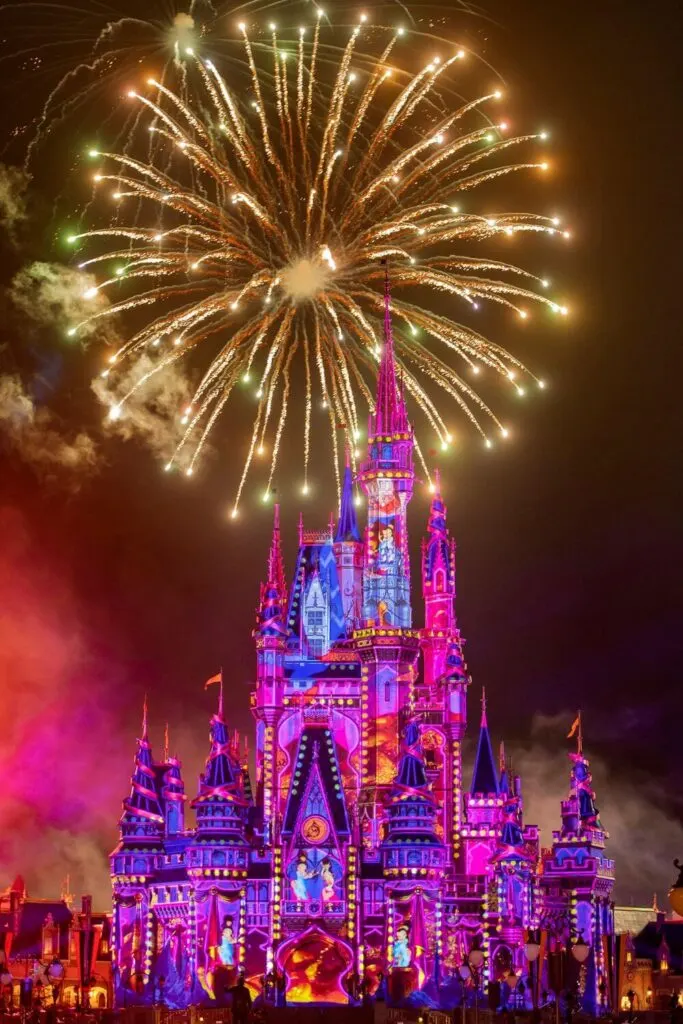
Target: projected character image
point(226, 950)
point(401, 954)
point(314, 875)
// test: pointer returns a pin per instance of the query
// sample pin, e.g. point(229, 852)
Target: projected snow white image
point(314, 875)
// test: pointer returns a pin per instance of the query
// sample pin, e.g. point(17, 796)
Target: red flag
point(213, 939)
point(218, 678)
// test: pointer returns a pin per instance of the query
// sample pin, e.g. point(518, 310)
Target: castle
point(361, 856)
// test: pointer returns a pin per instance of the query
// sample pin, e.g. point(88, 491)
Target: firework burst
point(257, 236)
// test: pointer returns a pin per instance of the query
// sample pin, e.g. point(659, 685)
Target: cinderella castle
point(359, 856)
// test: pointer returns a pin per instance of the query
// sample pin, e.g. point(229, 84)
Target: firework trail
point(256, 238)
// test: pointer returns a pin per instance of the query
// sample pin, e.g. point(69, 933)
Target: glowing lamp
point(531, 951)
point(580, 950)
point(476, 958)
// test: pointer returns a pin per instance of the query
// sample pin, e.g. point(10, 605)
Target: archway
point(315, 965)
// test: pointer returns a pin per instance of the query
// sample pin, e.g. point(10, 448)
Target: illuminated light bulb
point(90, 293)
point(523, 314)
point(189, 471)
point(541, 384)
point(504, 432)
point(115, 412)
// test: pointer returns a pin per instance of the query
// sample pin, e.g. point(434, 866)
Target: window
point(316, 618)
point(315, 646)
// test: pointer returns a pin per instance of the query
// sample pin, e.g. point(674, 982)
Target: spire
point(143, 803)
point(390, 412)
point(220, 803)
point(436, 526)
point(166, 743)
point(276, 565)
point(412, 806)
point(347, 527)
point(484, 777)
point(503, 784)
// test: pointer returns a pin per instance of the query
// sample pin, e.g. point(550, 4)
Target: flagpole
point(220, 695)
point(580, 739)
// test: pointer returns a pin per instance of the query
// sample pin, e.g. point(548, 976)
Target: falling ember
point(276, 214)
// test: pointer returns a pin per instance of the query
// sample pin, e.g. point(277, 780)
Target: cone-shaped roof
point(484, 777)
point(390, 411)
point(143, 802)
point(347, 527)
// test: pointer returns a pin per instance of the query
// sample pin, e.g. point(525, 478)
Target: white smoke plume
point(644, 839)
point(36, 436)
point(59, 297)
point(154, 412)
point(13, 187)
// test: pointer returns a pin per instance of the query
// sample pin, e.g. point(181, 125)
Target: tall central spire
point(390, 411)
point(276, 564)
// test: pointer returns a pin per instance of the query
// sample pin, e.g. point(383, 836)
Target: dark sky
point(569, 542)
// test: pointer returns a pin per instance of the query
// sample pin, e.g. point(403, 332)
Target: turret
point(411, 839)
point(387, 477)
point(348, 554)
point(270, 636)
point(172, 791)
point(482, 803)
point(142, 819)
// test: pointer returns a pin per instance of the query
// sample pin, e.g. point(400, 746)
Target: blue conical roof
point(347, 527)
point(485, 776)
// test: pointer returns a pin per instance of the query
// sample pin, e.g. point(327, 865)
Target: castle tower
point(348, 554)
point(387, 647)
point(270, 636)
point(142, 821)
point(580, 876)
point(438, 589)
point(482, 804)
point(387, 477)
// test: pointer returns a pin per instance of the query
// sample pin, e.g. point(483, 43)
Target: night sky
point(122, 580)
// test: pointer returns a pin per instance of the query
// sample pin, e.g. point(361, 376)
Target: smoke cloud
point(153, 413)
point(13, 188)
point(644, 839)
point(58, 297)
point(34, 434)
point(61, 760)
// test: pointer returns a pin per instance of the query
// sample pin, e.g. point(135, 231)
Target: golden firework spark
point(258, 229)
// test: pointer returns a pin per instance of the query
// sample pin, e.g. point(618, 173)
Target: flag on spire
point(218, 678)
point(577, 730)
